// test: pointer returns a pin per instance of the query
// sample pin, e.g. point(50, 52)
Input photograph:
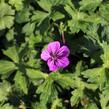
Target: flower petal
point(52, 66)
point(53, 47)
point(64, 51)
point(45, 55)
point(62, 62)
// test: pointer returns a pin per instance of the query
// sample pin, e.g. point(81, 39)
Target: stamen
point(54, 56)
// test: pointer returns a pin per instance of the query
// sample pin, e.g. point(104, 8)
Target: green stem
point(63, 37)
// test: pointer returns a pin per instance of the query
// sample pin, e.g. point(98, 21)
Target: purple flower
point(56, 56)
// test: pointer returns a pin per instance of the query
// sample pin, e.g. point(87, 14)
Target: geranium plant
point(54, 54)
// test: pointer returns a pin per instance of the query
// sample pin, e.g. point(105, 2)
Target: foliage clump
point(27, 27)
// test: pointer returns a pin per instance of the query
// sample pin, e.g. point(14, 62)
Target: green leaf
point(105, 33)
point(70, 9)
point(23, 52)
point(93, 74)
point(6, 67)
point(39, 16)
point(6, 16)
point(77, 22)
point(17, 4)
point(47, 91)
point(5, 89)
point(104, 11)
point(56, 104)
point(96, 75)
point(7, 106)
point(105, 55)
point(48, 4)
point(78, 68)
point(32, 40)
point(28, 28)
point(39, 105)
point(92, 33)
point(44, 26)
point(104, 98)
point(89, 5)
point(10, 35)
point(35, 74)
point(64, 80)
point(12, 53)
point(57, 16)
point(6, 22)
point(45, 4)
point(58, 2)
point(23, 16)
point(41, 19)
point(92, 106)
point(21, 82)
point(80, 20)
point(76, 95)
point(91, 86)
